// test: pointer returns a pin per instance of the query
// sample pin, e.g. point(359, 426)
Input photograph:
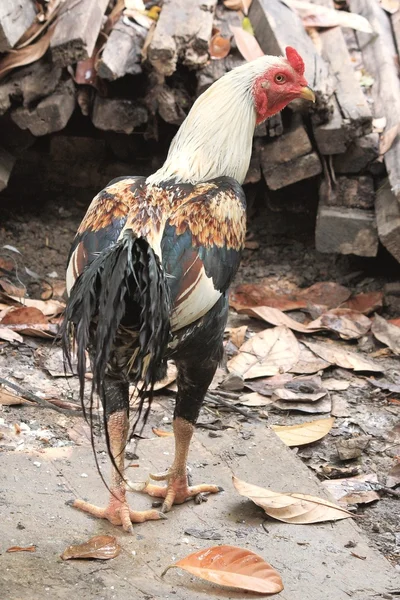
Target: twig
point(40, 401)
point(218, 400)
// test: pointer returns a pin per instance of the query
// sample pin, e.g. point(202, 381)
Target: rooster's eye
point(280, 78)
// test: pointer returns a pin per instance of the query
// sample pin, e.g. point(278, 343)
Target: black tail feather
point(124, 285)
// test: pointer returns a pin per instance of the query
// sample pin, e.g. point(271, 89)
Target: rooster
point(150, 268)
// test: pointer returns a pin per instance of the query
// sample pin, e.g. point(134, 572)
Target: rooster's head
point(282, 82)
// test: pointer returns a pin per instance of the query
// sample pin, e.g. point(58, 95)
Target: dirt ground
point(284, 257)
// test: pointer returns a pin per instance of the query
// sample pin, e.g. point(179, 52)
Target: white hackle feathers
point(215, 139)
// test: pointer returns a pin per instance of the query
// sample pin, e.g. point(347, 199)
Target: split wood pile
point(132, 75)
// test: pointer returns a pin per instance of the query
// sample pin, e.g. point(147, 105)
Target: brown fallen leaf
point(26, 55)
point(365, 303)
point(11, 289)
point(387, 138)
point(343, 358)
point(269, 352)
point(387, 333)
point(219, 46)
point(234, 567)
point(393, 477)
point(353, 490)
point(237, 335)
point(291, 508)
point(21, 549)
point(349, 324)
point(9, 399)
point(254, 400)
point(161, 432)
point(102, 547)
point(24, 315)
point(305, 433)
point(10, 336)
point(308, 362)
point(395, 322)
point(274, 316)
point(247, 44)
point(50, 308)
point(324, 293)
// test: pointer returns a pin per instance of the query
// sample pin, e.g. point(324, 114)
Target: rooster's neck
point(215, 140)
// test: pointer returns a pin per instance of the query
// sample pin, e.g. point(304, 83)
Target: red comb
point(295, 60)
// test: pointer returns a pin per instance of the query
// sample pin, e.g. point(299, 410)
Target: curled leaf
point(219, 47)
point(234, 567)
point(306, 433)
point(26, 55)
point(291, 508)
point(247, 44)
point(349, 324)
point(103, 547)
point(21, 549)
point(269, 352)
point(161, 432)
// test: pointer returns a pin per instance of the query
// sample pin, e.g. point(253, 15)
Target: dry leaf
point(219, 46)
point(365, 303)
point(11, 289)
point(387, 333)
point(349, 324)
point(247, 44)
point(10, 336)
point(21, 549)
point(161, 432)
point(274, 316)
point(26, 55)
point(243, 5)
point(9, 399)
point(308, 362)
point(269, 352)
point(102, 547)
point(387, 139)
point(393, 477)
point(233, 567)
point(343, 358)
point(25, 316)
point(324, 293)
point(395, 322)
point(306, 433)
point(314, 15)
point(169, 378)
point(49, 308)
point(391, 6)
point(353, 490)
point(291, 508)
point(335, 385)
point(237, 335)
point(254, 399)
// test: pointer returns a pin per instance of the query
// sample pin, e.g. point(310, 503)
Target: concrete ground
point(313, 560)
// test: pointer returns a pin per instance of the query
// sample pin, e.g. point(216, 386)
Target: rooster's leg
point(193, 382)
point(117, 511)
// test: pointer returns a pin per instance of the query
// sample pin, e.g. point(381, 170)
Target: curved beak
point(307, 93)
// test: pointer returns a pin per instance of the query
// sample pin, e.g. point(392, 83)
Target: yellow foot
point(176, 491)
point(119, 513)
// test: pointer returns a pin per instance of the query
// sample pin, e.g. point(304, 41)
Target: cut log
point(351, 192)
point(77, 30)
point(352, 103)
point(332, 137)
point(15, 18)
point(388, 220)
point(346, 231)
point(51, 114)
point(289, 158)
point(379, 56)
point(183, 31)
point(277, 26)
point(120, 115)
point(30, 84)
point(7, 162)
point(359, 156)
point(123, 51)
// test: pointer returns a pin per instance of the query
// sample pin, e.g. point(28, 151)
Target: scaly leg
point(117, 511)
point(193, 382)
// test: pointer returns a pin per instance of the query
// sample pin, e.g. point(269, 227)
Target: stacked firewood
point(130, 71)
